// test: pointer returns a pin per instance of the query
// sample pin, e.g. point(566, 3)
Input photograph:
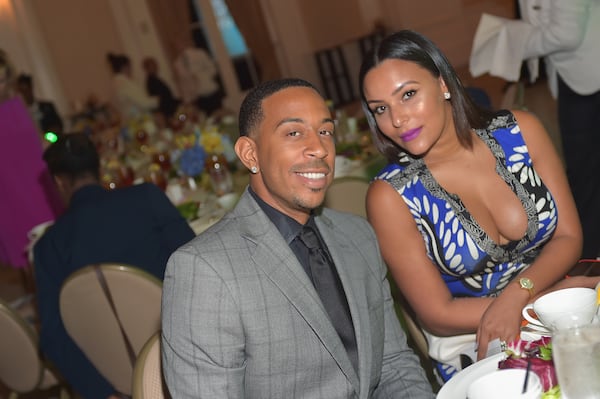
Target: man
point(43, 112)
point(155, 86)
point(242, 317)
point(197, 77)
point(137, 226)
point(565, 33)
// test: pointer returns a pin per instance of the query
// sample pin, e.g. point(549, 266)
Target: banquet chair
point(148, 382)
point(409, 321)
point(110, 311)
point(22, 370)
point(413, 328)
point(348, 194)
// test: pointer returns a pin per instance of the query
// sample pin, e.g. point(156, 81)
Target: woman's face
point(408, 104)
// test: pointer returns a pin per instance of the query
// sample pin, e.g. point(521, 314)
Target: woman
point(28, 194)
point(473, 212)
point(131, 98)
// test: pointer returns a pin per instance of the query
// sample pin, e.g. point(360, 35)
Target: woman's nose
point(398, 118)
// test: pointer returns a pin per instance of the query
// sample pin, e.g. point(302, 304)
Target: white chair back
point(90, 321)
point(148, 382)
point(21, 369)
point(348, 194)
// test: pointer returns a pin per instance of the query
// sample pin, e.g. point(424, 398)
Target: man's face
point(295, 151)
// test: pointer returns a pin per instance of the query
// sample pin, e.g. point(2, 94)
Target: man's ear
point(245, 148)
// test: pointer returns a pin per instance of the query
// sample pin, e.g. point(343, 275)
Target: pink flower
point(538, 353)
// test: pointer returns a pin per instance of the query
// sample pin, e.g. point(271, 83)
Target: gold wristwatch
point(527, 284)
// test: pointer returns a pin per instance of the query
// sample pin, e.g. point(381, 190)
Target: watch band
point(527, 284)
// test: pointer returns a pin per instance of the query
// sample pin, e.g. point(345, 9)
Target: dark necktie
point(329, 287)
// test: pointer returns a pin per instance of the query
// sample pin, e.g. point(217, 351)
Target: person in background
point(473, 212)
point(43, 112)
point(137, 226)
point(28, 196)
point(244, 311)
point(565, 34)
point(155, 86)
point(197, 76)
point(131, 99)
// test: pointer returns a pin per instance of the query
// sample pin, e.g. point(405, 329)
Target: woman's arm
point(564, 249)
point(502, 319)
point(418, 279)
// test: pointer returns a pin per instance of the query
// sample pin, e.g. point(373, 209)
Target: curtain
point(250, 20)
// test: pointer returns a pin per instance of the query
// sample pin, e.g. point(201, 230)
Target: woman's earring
point(447, 95)
point(254, 170)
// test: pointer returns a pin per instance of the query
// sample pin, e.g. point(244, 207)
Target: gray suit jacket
point(242, 320)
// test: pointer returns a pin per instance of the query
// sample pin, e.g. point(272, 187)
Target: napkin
point(499, 47)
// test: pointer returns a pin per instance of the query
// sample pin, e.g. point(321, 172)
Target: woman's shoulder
point(502, 119)
point(514, 125)
point(391, 171)
point(400, 174)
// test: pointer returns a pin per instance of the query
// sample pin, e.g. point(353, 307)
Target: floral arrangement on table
point(537, 355)
point(359, 146)
point(194, 149)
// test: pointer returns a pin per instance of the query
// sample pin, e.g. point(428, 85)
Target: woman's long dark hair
point(411, 46)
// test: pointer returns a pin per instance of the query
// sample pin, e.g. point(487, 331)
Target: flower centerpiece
point(196, 151)
point(189, 155)
point(537, 356)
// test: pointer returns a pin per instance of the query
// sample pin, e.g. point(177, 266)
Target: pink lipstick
point(411, 134)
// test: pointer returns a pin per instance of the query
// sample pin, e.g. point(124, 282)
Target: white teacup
point(563, 308)
point(506, 383)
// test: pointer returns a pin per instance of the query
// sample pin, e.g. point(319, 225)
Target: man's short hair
point(73, 155)
point(251, 112)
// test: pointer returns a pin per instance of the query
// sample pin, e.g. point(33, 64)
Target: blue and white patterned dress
point(470, 262)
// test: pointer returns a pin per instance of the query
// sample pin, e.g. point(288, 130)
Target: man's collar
point(287, 226)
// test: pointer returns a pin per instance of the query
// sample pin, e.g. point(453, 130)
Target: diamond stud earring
point(447, 95)
point(254, 170)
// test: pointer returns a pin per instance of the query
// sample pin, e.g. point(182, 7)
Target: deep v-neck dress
point(470, 262)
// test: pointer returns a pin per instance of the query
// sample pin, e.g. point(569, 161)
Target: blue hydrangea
point(192, 161)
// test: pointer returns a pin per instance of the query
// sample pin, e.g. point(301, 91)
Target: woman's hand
point(502, 319)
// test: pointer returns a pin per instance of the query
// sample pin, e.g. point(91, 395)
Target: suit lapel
point(280, 265)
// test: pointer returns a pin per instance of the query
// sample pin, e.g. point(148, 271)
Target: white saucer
point(456, 387)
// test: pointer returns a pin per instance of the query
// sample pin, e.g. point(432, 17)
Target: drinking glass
point(576, 355)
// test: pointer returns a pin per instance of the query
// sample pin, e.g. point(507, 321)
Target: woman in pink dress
point(27, 194)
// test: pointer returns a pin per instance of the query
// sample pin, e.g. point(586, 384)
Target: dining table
point(179, 157)
point(457, 386)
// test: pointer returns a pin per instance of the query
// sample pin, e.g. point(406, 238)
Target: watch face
point(526, 283)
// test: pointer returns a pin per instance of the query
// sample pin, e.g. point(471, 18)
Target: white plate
point(456, 387)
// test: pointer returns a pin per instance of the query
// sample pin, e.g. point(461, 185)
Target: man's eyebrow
point(289, 120)
point(300, 120)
